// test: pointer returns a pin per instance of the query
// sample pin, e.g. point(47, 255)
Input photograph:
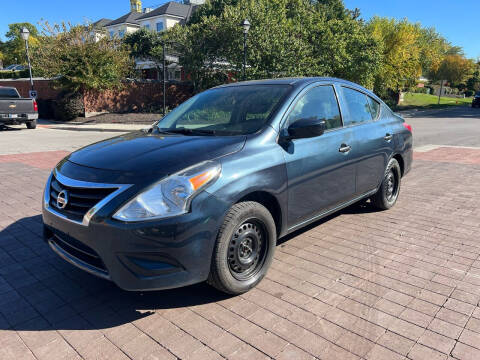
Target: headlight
point(171, 196)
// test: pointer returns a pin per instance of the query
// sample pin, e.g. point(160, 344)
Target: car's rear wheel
point(244, 248)
point(32, 124)
point(389, 190)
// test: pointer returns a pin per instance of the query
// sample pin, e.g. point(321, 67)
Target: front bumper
point(150, 255)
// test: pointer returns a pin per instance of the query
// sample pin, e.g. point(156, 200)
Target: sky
point(455, 20)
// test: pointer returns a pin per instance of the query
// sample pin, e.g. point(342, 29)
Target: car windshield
point(478, 93)
point(233, 110)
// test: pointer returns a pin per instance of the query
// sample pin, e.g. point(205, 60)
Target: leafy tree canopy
point(73, 56)
point(455, 69)
point(14, 48)
point(287, 38)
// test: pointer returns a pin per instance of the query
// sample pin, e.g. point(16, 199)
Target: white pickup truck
point(15, 110)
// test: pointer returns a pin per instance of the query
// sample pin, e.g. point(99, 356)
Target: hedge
point(19, 74)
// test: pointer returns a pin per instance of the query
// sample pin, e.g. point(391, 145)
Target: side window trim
point(304, 92)
point(368, 96)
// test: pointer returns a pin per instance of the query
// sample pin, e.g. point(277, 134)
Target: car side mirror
point(306, 128)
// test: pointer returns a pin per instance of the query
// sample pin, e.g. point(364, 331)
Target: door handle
point(388, 137)
point(344, 148)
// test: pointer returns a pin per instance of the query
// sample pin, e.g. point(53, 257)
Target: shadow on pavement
point(464, 112)
point(39, 291)
point(9, 128)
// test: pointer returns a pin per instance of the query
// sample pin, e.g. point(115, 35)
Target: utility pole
point(164, 81)
point(441, 90)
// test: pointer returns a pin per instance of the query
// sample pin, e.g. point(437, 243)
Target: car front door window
point(319, 103)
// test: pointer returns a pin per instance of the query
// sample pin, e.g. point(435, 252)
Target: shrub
point(68, 106)
point(45, 109)
point(469, 93)
point(19, 74)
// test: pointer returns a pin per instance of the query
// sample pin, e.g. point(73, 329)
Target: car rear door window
point(374, 107)
point(358, 106)
point(319, 103)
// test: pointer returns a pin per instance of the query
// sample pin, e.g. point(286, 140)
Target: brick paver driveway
point(399, 284)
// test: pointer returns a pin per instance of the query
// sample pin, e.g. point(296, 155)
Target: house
point(158, 19)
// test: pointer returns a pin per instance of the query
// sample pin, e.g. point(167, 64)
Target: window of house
point(160, 26)
point(358, 106)
point(121, 33)
point(112, 34)
point(147, 26)
point(319, 103)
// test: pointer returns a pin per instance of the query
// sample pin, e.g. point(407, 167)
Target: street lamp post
point(246, 26)
point(25, 35)
point(164, 60)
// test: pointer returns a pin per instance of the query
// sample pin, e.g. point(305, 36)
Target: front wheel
point(31, 124)
point(387, 194)
point(244, 249)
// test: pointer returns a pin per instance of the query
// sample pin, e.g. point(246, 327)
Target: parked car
point(207, 191)
point(15, 110)
point(15, 67)
point(476, 100)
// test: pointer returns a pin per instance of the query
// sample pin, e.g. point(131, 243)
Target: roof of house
point(101, 23)
point(130, 18)
point(170, 8)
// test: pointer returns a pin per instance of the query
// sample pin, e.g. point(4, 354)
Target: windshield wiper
point(186, 131)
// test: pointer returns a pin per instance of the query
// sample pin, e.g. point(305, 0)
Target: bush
point(421, 90)
point(45, 109)
point(68, 106)
point(20, 74)
point(469, 93)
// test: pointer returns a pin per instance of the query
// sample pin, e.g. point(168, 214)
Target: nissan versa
point(205, 193)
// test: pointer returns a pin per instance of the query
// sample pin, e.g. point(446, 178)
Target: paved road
point(18, 139)
point(457, 126)
point(362, 284)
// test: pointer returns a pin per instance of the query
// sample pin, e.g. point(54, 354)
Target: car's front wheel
point(389, 190)
point(244, 248)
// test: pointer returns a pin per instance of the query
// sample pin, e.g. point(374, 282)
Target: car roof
point(298, 82)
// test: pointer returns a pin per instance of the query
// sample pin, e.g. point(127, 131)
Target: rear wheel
point(244, 249)
point(31, 124)
point(389, 190)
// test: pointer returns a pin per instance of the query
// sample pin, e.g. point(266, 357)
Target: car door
point(320, 170)
point(374, 139)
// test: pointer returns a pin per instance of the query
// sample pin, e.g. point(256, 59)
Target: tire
point(244, 249)
point(389, 190)
point(31, 124)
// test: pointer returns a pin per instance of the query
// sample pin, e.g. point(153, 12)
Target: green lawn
point(414, 100)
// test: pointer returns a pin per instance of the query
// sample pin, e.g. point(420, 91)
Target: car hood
point(146, 153)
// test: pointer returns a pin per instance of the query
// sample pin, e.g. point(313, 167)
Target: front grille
point(79, 250)
point(80, 200)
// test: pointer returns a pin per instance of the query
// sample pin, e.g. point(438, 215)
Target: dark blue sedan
point(206, 192)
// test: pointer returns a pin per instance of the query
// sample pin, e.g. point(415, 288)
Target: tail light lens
point(35, 106)
point(407, 126)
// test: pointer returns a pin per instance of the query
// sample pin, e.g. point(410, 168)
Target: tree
point(146, 45)
point(455, 69)
point(72, 56)
point(287, 38)
point(400, 47)
point(14, 47)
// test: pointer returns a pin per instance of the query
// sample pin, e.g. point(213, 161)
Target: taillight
point(35, 106)
point(407, 126)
